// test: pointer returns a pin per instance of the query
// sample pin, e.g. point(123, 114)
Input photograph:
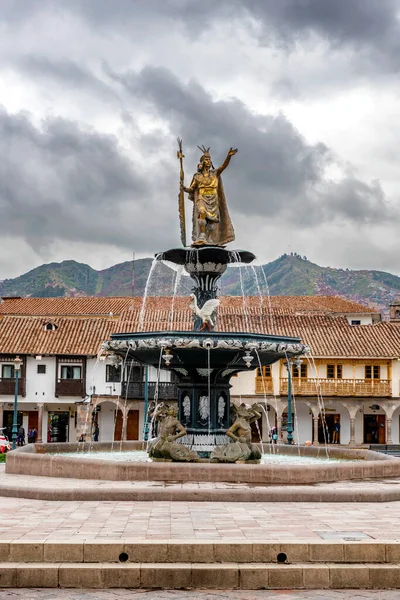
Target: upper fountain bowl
point(206, 255)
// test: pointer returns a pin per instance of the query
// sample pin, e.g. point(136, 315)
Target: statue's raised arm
point(231, 152)
point(212, 225)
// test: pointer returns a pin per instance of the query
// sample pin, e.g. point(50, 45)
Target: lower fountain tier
point(192, 354)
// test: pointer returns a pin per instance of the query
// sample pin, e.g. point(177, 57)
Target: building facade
point(349, 384)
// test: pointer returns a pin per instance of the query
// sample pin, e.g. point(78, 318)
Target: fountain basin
point(45, 460)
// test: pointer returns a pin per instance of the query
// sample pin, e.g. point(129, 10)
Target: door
point(374, 429)
point(329, 428)
point(132, 426)
point(33, 419)
point(58, 427)
point(381, 421)
point(8, 416)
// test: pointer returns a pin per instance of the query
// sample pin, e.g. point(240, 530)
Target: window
point(300, 372)
point(113, 373)
point(50, 327)
point(266, 371)
point(372, 372)
point(355, 322)
point(334, 371)
point(70, 372)
point(7, 371)
point(41, 369)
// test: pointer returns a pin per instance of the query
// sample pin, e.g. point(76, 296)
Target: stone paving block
point(393, 553)
point(315, 577)
point(146, 551)
point(105, 551)
point(125, 575)
point(384, 576)
point(233, 552)
point(221, 576)
point(191, 552)
point(285, 577)
point(80, 575)
point(265, 552)
point(8, 575)
point(37, 575)
point(297, 552)
point(63, 552)
point(348, 576)
point(373, 552)
point(26, 552)
point(155, 575)
point(326, 552)
point(253, 576)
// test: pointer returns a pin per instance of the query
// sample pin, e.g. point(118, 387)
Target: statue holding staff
point(212, 225)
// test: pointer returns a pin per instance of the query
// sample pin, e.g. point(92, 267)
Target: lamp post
point(17, 366)
point(288, 364)
point(146, 404)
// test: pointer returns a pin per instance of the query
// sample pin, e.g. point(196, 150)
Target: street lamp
point(17, 366)
point(288, 364)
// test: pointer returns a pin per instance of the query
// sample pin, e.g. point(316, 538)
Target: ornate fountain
point(204, 359)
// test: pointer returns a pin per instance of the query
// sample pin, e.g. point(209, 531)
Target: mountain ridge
point(288, 275)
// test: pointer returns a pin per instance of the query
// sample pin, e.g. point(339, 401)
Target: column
point(39, 438)
point(352, 431)
point(279, 426)
point(389, 431)
point(124, 427)
point(315, 424)
point(1, 414)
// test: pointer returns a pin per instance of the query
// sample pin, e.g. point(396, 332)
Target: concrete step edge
point(148, 494)
point(196, 575)
point(210, 552)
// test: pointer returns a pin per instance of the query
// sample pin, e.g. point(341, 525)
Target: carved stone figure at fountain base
point(164, 446)
point(242, 449)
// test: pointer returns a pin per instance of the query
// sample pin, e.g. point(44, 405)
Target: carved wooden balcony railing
point(339, 387)
point(264, 385)
point(135, 389)
point(70, 387)
point(7, 386)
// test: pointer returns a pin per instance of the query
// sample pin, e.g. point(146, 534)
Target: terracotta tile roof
point(102, 306)
point(326, 334)
point(26, 335)
point(63, 307)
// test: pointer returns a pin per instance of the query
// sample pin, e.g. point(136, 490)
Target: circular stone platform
point(42, 460)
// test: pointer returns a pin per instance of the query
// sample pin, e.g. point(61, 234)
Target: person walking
point(21, 436)
point(96, 433)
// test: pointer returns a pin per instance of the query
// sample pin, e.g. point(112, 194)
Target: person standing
point(336, 432)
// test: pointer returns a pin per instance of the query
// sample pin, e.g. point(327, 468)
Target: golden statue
point(212, 225)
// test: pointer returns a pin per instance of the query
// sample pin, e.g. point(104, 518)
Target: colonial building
point(67, 385)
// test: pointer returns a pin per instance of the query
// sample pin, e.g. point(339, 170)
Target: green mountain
point(289, 275)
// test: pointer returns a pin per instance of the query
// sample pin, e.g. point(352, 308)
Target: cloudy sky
point(95, 92)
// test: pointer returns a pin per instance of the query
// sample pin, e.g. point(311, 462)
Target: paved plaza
point(40, 520)
point(45, 594)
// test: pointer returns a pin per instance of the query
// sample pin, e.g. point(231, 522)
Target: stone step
point(206, 552)
point(249, 576)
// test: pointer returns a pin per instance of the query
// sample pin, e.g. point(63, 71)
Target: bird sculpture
point(205, 312)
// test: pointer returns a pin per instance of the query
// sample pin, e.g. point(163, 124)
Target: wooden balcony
point(264, 385)
point(7, 386)
point(135, 390)
point(339, 387)
point(70, 387)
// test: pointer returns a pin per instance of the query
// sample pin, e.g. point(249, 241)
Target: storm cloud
point(96, 92)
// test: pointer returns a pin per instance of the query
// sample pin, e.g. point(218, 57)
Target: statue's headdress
point(206, 153)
